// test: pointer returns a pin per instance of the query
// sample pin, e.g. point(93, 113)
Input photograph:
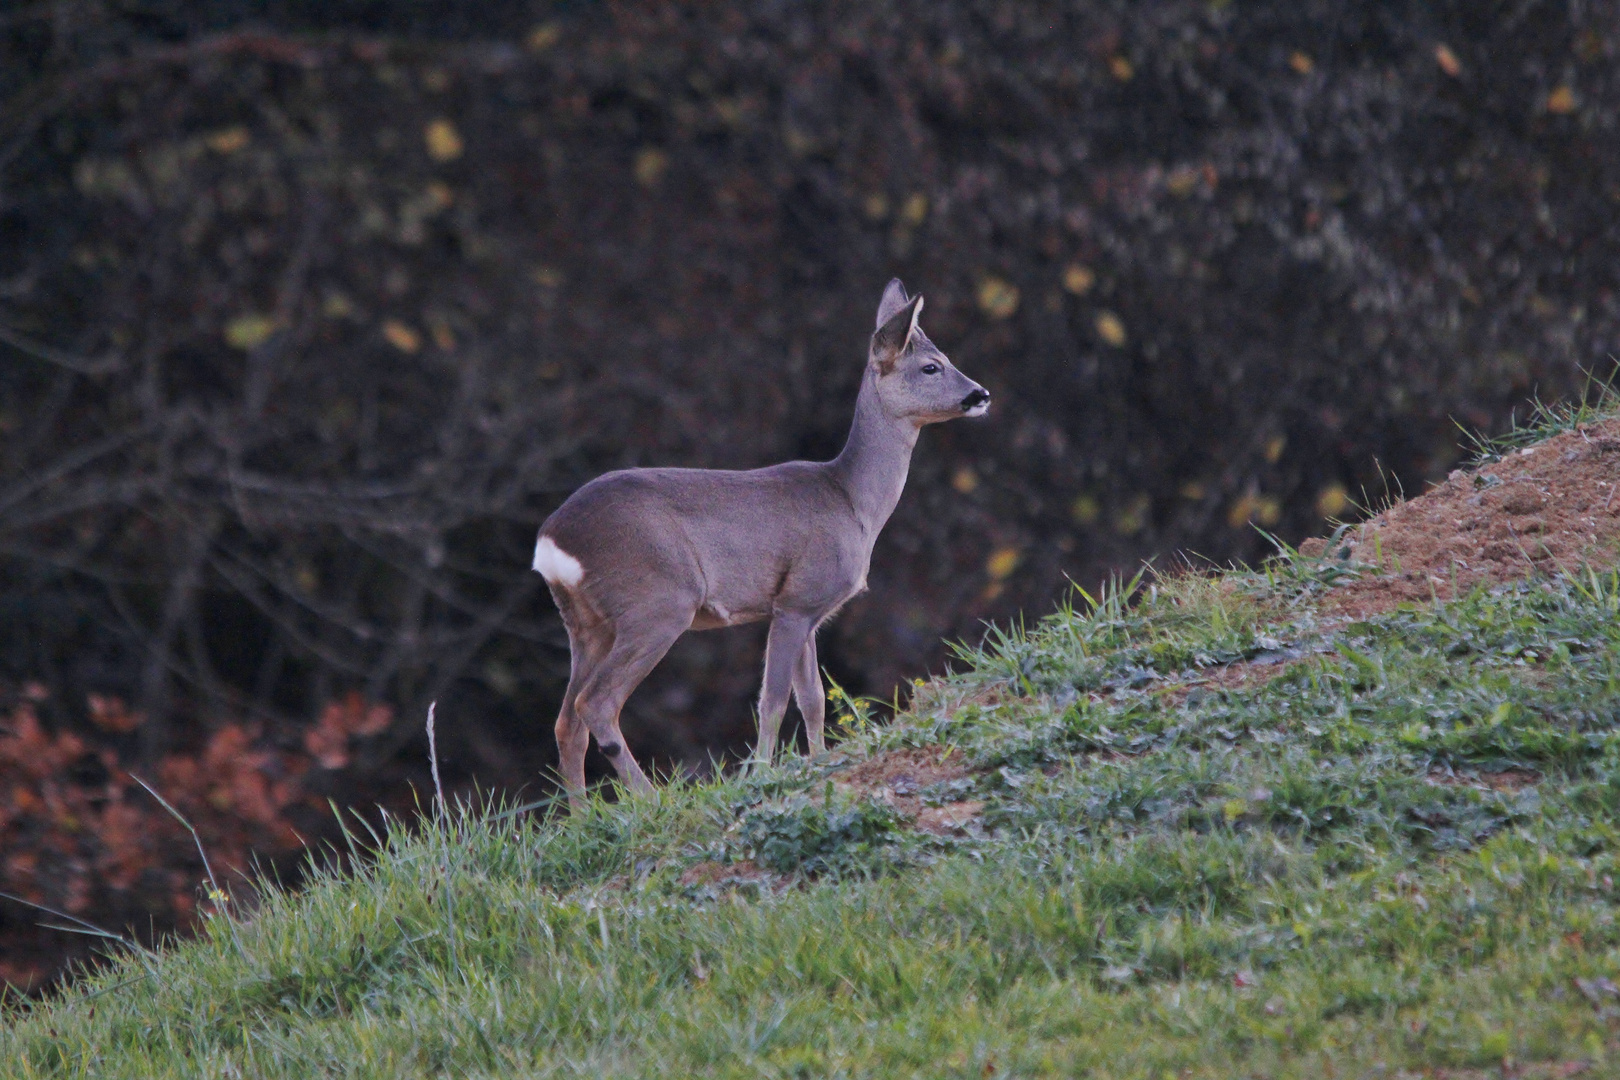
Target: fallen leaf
point(1244, 979)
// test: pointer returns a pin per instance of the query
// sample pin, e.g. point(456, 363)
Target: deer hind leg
point(586, 651)
point(784, 648)
point(572, 740)
point(811, 696)
point(641, 640)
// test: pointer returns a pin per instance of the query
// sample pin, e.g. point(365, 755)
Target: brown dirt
point(721, 875)
point(1508, 780)
point(898, 777)
point(1549, 507)
point(1553, 506)
point(1233, 676)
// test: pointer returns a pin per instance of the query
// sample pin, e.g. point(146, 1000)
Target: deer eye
point(930, 369)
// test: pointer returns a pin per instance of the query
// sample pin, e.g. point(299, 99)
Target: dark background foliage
point(310, 312)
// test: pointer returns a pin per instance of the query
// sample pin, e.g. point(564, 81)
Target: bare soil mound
point(1540, 509)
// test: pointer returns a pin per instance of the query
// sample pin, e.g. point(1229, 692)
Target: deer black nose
point(975, 399)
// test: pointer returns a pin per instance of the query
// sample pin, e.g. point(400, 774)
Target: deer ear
point(894, 298)
point(891, 339)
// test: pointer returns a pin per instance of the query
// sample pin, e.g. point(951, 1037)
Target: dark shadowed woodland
point(310, 313)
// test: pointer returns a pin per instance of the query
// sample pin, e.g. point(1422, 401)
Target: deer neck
point(873, 464)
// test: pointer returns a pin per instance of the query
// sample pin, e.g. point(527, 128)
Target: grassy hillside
point(1218, 828)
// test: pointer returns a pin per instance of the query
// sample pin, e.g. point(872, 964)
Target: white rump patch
point(556, 565)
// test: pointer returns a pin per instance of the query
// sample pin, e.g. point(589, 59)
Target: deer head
point(913, 379)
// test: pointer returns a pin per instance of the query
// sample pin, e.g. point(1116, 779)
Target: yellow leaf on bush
point(965, 480)
point(997, 297)
point(111, 714)
point(228, 140)
point(438, 195)
point(247, 331)
point(1261, 509)
point(650, 165)
point(915, 210)
point(1332, 501)
point(1301, 62)
point(1181, 181)
point(1110, 328)
point(1002, 562)
point(1561, 101)
point(1084, 510)
point(1078, 279)
point(401, 337)
point(543, 37)
point(443, 140)
point(1132, 518)
point(1121, 69)
point(1447, 60)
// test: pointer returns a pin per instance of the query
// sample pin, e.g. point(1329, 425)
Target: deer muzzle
point(977, 403)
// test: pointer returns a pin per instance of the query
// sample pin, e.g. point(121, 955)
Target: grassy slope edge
point(1208, 833)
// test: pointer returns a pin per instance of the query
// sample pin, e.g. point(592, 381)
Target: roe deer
point(636, 558)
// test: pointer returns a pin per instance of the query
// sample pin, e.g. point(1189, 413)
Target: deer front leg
point(811, 696)
point(783, 648)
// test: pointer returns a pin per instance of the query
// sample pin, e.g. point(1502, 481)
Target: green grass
point(1305, 876)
